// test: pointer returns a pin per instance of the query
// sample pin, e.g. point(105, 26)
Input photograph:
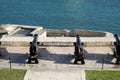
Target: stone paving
point(56, 63)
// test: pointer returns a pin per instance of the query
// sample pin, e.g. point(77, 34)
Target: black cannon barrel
point(35, 40)
point(33, 45)
point(117, 39)
point(78, 46)
point(78, 41)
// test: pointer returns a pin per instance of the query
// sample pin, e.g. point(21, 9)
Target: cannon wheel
point(36, 61)
point(114, 53)
point(75, 62)
point(82, 62)
point(117, 62)
point(29, 61)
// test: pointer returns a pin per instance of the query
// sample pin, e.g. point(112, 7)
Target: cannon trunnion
point(117, 49)
point(33, 56)
point(79, 51)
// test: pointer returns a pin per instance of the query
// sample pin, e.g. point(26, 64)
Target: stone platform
point(57, 62)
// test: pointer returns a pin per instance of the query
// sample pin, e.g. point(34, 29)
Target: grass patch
point(102, 75)
point(13, 74)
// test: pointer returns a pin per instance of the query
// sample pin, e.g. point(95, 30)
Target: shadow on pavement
point(60, 58)
point(99, 57)
point(15, 57)
point(57, 58)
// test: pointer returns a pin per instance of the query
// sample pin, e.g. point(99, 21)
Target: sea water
point(101, 15)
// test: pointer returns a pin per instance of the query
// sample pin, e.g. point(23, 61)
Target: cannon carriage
point(79, 51)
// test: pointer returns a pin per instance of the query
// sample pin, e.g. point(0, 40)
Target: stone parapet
point(57, 41)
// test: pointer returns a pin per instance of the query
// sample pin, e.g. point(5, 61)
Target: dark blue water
point(63, 14)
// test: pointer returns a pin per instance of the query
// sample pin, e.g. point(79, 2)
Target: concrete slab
point(54, 75)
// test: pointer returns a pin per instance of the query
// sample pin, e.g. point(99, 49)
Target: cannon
point(79, 51)
point(117, 49)
point(33, 56)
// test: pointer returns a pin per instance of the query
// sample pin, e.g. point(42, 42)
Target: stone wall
point(55, 33)
point(82, 33)
point(89, 33)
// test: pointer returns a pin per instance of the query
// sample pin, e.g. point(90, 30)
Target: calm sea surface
point(63, 14)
